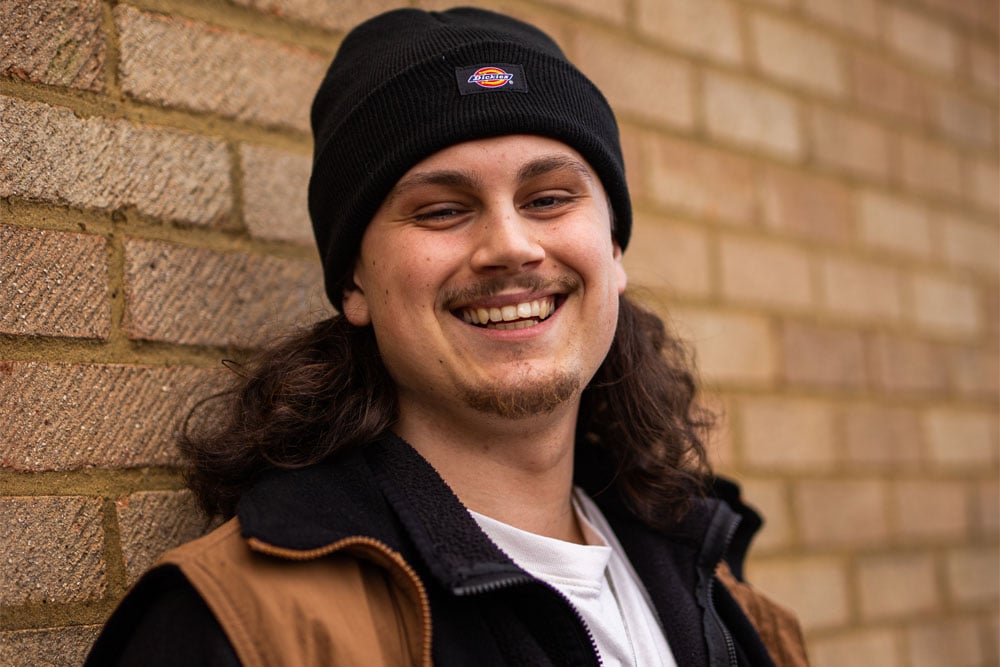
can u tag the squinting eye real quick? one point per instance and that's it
(438, 214)
(545, 202)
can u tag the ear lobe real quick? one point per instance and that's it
(355, 306)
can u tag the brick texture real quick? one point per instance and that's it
(880, 85)
(71, 416)
(787, 434)
(962, 438)
(860, 290)
(932, 510)
(944, 643)
(908, 366)
(274, 194)
(798, 56)
(820, 357)
(849, 143)
(859, 17)
(931, 167)
(893, 586)
(57, 42)
(329, 14)
(176, 63)
(51, 647)
(895, 224)
(729, 347)
(846, 513)
(974, 575)
(58, 544)
(194, 296)
(922, 40)
(876, 646)
(48, 154)
(815, 587)
(752, 115)
(710, 28)
(878, 436)
(946, 306)
(675, 257)
(53, 284)
(787, 282)
(152, 522)
(802, 205)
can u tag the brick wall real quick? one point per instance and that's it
(816, 186)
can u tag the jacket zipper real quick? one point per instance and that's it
(730, 644)
(382, 548)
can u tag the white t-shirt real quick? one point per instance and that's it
(597, 579)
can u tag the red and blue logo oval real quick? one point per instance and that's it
(491, 77)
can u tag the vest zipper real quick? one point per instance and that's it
(360, 541)
(730, 644)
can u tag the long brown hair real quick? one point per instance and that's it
(321, 391)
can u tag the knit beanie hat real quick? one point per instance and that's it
(408, 83)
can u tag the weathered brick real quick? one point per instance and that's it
(877, 647)
(984, 183)
(965, 120)
(53, 284)
(66, 416)
(765, 272)
(328, 14)
(968, 243)
(849, 143)
(274, 194)
(988, 507)
(623, 70)
(931, 509)
(151, 522)
(787, 433)
(922, 40)
(944, 642)
(974, 575)
(822, 357)
(695, 187)
(753, 115)
(48, 154)
(709, 28)
(856, 16)
(860, 290)
(893, 223)
(796, 55)
(730, 347)
(670, 256)
(970, 11)
(883, 437)
(57, 543)
(931, 167)
(815, 588)
(905, 364)
(943, 305)
(770, 498)
(180, 63)
(975, 371)
(49, 647)
(195, 296)
(845, 513)
(985, 65)
(881, 85)
(961, 437)
(897, 585)
(57, 42)
(798, 204)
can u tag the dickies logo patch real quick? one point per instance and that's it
(492, 77)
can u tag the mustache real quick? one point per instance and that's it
(487, 287)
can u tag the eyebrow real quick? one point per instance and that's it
(549, 163)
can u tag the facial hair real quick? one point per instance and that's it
(529, 398)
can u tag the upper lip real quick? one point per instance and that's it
(508, 299)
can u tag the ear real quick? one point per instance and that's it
(620, 269)
(356, 304)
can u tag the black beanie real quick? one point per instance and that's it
(409, 83)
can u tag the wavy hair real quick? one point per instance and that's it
(322, 391)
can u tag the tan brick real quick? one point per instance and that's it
(787, 433)
(883, 437)
(965, 120)
(806, 206)
(985, 65)
(669, 256)
(878, 647)
(970, 11)
(931, 509)
(53, 284)
(880, 85)
(974, 575)
(931, 167)
(849, 143)
(615, 11)
(905, 364)
(48, 647)
(765, 272)
(971, 244)
(975, 371)
(962, 438)
(65, 416)
(151, 522)
(944, 642)
(329, 14)
(689, 177)
(897, 585)
(895, 224)
(274, 194)
(709, 28)
(48, 154)
(821, 357)
(860, 290)
(752, 115)
(922, 40)
(637, 80)
(856, 16)
(815, 588)
(730, 347)
(991, 630)
(57, 543)
(180, 63)
(796, 55)
(984, 183)
(770, 498)
(57, 42)
(847, 513)
(943, 305)
(988, 507)
(195, 296)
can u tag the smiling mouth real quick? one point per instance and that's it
(512, 316)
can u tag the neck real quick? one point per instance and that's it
(518, 471)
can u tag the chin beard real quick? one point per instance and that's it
(527, 399)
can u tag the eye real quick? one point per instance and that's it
(439, 214)
(549, 201)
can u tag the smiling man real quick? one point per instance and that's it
(492, 456)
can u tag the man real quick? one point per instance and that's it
(492, 456)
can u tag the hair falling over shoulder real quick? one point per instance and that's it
(323, 390)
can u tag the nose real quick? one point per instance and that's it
(506, 243)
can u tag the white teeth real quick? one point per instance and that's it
(509, 313)
(484, 315)
(512, 316)
(536, 309)
(523, 310)
(496, 315)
